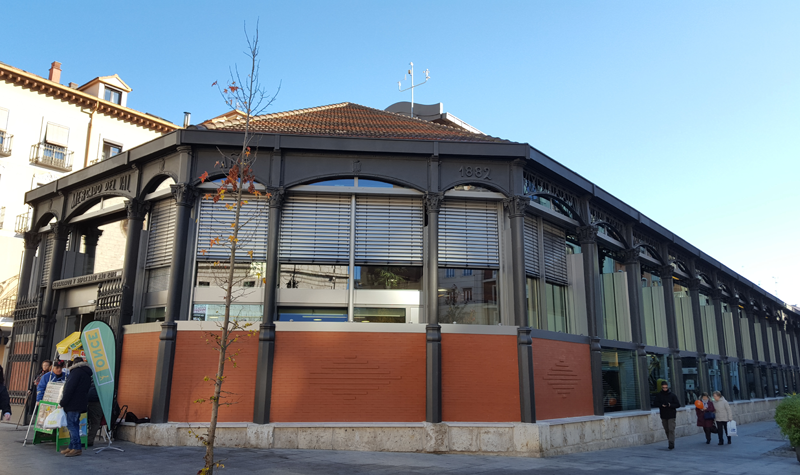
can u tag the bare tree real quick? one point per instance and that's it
(248, 98)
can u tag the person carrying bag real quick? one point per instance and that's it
(705, 411)
(724, 416)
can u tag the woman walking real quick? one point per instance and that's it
(724, 415)
(705, 416)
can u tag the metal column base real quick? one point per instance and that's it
(164, 366)
(597, 376)
(527, 402)
(433, 377)
(266, 360)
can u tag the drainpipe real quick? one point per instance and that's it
(89, 134)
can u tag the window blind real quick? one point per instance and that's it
(555, 255)
(57, 135)
(531, 239)
(161, 227)
(468, 234)
(215, 222)
(47, 258)
(746, 342)
(316, 228)
(388, 230)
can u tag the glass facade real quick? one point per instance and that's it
(557, 309)
(655, 318)
(388, 277)
(469, 297)
(691, 380)
(314, 277)
(684, 318)
(708, 319)
(714, 375)
(532, 302)
(311, 314)
(213, 312)
(658, 371)
(735, 382)
(750, 380)
(616, 310)
(620, 388)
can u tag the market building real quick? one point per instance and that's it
(401, 272)
(48, 130)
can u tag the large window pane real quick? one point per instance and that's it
(468, 297)
(684, 318)
(311, 314)
(388, 277)
(714, 376)
(557, 318)
(216, 274)
(532, 302)
(750, 375)
(379, 315)
(313, 276)
(736, 383)
(655, 320)
(658, 370)
(708, 319)
(211, 312)
(616, 310)
(620, 391)
(691, 380)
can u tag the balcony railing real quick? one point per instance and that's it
(5, 143)
(51, 156)
(21, 224)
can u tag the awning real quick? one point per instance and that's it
(71, 342)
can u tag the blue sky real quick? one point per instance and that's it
(688, 111)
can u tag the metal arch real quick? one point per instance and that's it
(48, 215)
(617, 235)
(654, 252)
(565, 207)
(89, 203)
(221, 174)
(706, 278)
(154, 182)
(367, 176)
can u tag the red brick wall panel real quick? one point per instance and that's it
(480, 381)
(137, 372)
(348, 377)
(194, 360)
(562, 379)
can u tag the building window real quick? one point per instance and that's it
(314, 276)
(557, 313)
(620, 388)
(470, 299)
(113, 95)
(691, 380)
(658, 371)
(467, 272)
(616, 311)
(156, 314)
(239, 312)
(387, 278)
(684, 318)
(655, 319)
(532, 302)
(736, 383)
(158, 279)
(714, 376)
(379, 315)
(708, 319)
(110, 149)
(449, 272)
(311, 314)
(750, 379)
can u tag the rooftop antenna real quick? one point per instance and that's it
(400, 86)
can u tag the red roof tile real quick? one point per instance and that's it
(346, 120)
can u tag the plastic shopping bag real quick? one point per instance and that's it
(732, 429)
(56, 419)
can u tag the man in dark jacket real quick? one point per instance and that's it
(74, 401)
(668, 405)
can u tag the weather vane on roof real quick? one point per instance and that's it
(400, 86)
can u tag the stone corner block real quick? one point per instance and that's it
(259, 436)
(435, 438)
(531, 439)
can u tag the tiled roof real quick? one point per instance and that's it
(347, 120)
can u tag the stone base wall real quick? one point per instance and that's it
(543, 439)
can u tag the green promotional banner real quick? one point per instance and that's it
(101, 353)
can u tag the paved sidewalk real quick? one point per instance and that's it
(749, 455)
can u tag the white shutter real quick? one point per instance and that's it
(57, 135)
(388, 230)
(162, 231)
(531, 240)
(468, 234)
(215, 222)
(747, 344)
(316, 228)
(47, 258)
(555, 255)
(3, 119)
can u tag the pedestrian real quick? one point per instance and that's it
(668, 405)
(74, 401)
(46, 364)
(55, 375)
(94, 415)
(5, 401)
(724, 415)
(705, 416)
